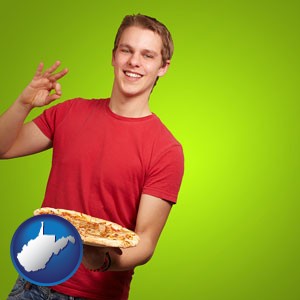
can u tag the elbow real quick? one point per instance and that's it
(4, 155)
(146, 258)
(5, 152)
(147, 252)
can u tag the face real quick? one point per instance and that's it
(137, 62)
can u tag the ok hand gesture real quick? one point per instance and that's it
(38, 92)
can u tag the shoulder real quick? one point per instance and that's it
(164, 134)
(73, 109)
(76, 106)
(166, 145)
(81, 103)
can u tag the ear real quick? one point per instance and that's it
(163, 69)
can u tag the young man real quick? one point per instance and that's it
(112, 158)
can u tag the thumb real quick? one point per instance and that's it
(117, 251)
(57, 88)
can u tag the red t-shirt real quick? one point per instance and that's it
(102, 164)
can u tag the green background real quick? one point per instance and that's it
(231, 97)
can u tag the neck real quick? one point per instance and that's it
(128, 106)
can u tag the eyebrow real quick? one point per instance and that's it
(143, 50)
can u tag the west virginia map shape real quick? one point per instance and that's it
(37, 252)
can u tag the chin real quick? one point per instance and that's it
(132, 92)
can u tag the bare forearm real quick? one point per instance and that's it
(132, 257)
(11, 123)
(152, 216)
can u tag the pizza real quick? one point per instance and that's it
(95, 231)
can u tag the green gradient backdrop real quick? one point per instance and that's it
(231, 97)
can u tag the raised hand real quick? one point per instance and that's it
(44, 88)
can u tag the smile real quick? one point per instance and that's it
(132, 75)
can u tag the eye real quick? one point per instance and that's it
(125, 50)
(148, 55)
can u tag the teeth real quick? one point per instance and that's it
(133, 75)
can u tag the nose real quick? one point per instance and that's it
(134, 60)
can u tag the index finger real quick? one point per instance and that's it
(52, 68)
(59, 75)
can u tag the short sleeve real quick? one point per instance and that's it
(165, 175)
(52, 117)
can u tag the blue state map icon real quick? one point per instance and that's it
(46, 250)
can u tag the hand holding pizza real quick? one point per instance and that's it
(100, 237)
(94, 258)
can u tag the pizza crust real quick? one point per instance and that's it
(95, 231)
